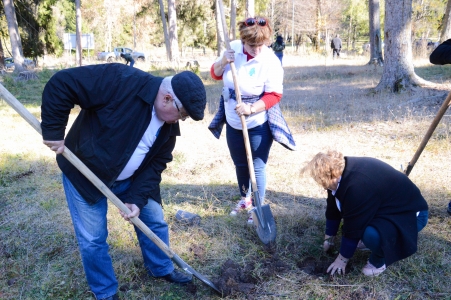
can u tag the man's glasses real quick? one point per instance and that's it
(183, 118)
(252, 21)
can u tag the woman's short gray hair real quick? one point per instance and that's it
(166, 86)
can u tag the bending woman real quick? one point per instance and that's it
(380, 207)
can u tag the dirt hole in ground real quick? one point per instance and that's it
(312, 266)
(317, 267)
(235, 279)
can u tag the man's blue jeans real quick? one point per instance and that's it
(260, 140)
(372, 239)
(90, 224)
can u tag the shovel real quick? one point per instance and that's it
(265, 225)
(18, 107)
(429, 133)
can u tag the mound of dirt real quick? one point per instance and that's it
(235, 279)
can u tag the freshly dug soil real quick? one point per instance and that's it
(235, 279)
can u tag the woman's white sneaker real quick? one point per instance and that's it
(370, 270)
(242, 205)
(361, 246)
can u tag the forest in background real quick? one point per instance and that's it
(138, 23)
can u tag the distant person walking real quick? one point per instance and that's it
(336, 46)
(278, 46)
(128, 58)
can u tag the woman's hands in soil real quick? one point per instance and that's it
(338, 266)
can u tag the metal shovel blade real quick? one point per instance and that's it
(265, 224)
(183, 265)
(264, 220)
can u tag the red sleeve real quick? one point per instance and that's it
(271, 99)
(212, 73)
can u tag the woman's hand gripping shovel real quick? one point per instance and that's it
(265, 225)
(18, 107)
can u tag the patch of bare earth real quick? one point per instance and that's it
(235, 280)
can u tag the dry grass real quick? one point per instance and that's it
(328, 104)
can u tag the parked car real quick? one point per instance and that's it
(27, 63)
(9, 63)
(116, 54)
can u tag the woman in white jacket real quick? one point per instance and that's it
(261, 85)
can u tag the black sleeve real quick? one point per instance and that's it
(442, 54)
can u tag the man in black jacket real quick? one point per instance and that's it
(125, 133)
(442, 54)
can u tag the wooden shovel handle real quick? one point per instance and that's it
(238, 99)
(19, 108)
(429, 133)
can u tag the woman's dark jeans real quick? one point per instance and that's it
(260, 139)
(372, 240)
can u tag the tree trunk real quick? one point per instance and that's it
(165, 30)
(219, 30)
(318, 25)
(78, 52)
(134, 26)
(14, 36)
(375, 33)
(173, 40)
(233, 19)
(398, 71)
(109, 25)
(2, 56)
(349, 33)
(250, 8)
(446, 24)
(273, 3)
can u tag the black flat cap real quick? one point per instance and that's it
(190, 90)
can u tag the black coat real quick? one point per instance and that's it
(116, 104)
(442, 54)
(372, 193)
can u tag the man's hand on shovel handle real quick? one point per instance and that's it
(134, 212)
(57, 146)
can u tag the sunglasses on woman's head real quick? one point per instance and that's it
(252, 21)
